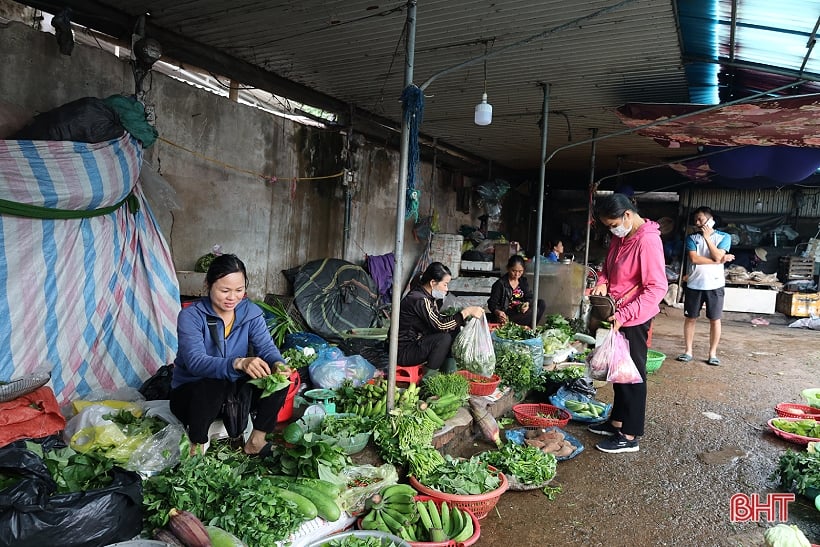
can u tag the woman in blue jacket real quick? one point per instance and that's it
(216, 335)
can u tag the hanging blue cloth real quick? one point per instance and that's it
(412, 99)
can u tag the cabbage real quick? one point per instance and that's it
(785, 535)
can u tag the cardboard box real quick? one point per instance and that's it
(796, 304)
(503, 252)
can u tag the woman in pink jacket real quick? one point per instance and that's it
(634, 274)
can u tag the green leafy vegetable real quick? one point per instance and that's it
(445, 384)
(271, 383)
(468, 477)
(798, 471)
(527, 463)
(223, 488)
(515, 366)
(298, 358)
(280, 322)
(513, 331)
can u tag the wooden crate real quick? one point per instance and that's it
(796, 304)
(503, 252)
(795, 267)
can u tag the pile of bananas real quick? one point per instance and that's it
(395, 510)
(370, 400)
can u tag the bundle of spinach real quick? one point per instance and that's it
(558, 321)
(515, 366)
(345, 425)
(223, 488)
(310, 458)
(465, 477)
(527, 463)
(798, 471)
(565, 374)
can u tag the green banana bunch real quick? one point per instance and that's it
(392, 510)
(443, 523)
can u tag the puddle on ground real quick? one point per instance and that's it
(727, 454)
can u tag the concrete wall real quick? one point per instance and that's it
(212, 153)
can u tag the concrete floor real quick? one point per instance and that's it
(676, 490)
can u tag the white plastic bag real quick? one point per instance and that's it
(473, 347)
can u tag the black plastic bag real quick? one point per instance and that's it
(158, 386)
(85, 120)
(236, 409)
(31, 515)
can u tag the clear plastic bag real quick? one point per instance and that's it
(331, 368)
(473, 347)
(361, 482)
(157, 453)
(600, 358)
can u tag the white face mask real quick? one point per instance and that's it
(621, 230)
(437, 294)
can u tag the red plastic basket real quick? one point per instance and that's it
(791, 437)
(528, 414)
(480, 385)
(478, 504)
(786, 410)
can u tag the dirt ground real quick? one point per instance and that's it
(676, 489)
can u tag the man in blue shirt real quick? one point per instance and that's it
(708, 251)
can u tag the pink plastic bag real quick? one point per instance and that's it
(622, 369)
(612, 362)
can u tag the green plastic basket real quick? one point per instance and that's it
(654, 360)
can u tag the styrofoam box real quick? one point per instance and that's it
(476, 266)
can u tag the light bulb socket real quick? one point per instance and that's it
(483, 112)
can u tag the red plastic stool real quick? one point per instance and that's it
(410, 374)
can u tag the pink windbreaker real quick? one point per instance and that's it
(631, 262)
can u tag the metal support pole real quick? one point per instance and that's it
(542, 175)
(401, 204)
(593, 186)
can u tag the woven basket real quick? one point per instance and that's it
(528, 414)
(787, 410)
(791, 437)
(480, 385)
(478, 504)
(654, 360)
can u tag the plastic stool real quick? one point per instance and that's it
(410, 374)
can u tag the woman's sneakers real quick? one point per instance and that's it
(604, 428)
(617, 444)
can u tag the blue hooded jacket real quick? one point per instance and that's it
(201, 356)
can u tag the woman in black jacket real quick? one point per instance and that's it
(425, 334)
(511, 297)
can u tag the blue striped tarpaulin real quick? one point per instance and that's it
(94, 300)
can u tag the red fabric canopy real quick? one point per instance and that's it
(786, 121)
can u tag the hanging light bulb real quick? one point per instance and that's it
(484, 110)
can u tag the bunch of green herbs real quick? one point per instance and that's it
(299, 358)
(798, 471)
(514, 331)
(515, 366)
(72, 471)
(446, 384)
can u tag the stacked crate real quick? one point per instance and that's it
(793, 268)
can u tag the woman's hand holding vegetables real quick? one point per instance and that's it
(524, 307)
(254, 367)
(502, 317)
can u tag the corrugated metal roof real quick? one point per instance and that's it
(353, 51)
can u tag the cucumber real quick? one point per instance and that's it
(305, 507)
(222, 538)
(325, 505)
(325, 487)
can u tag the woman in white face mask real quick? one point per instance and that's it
(425, 334)
(634, 275)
